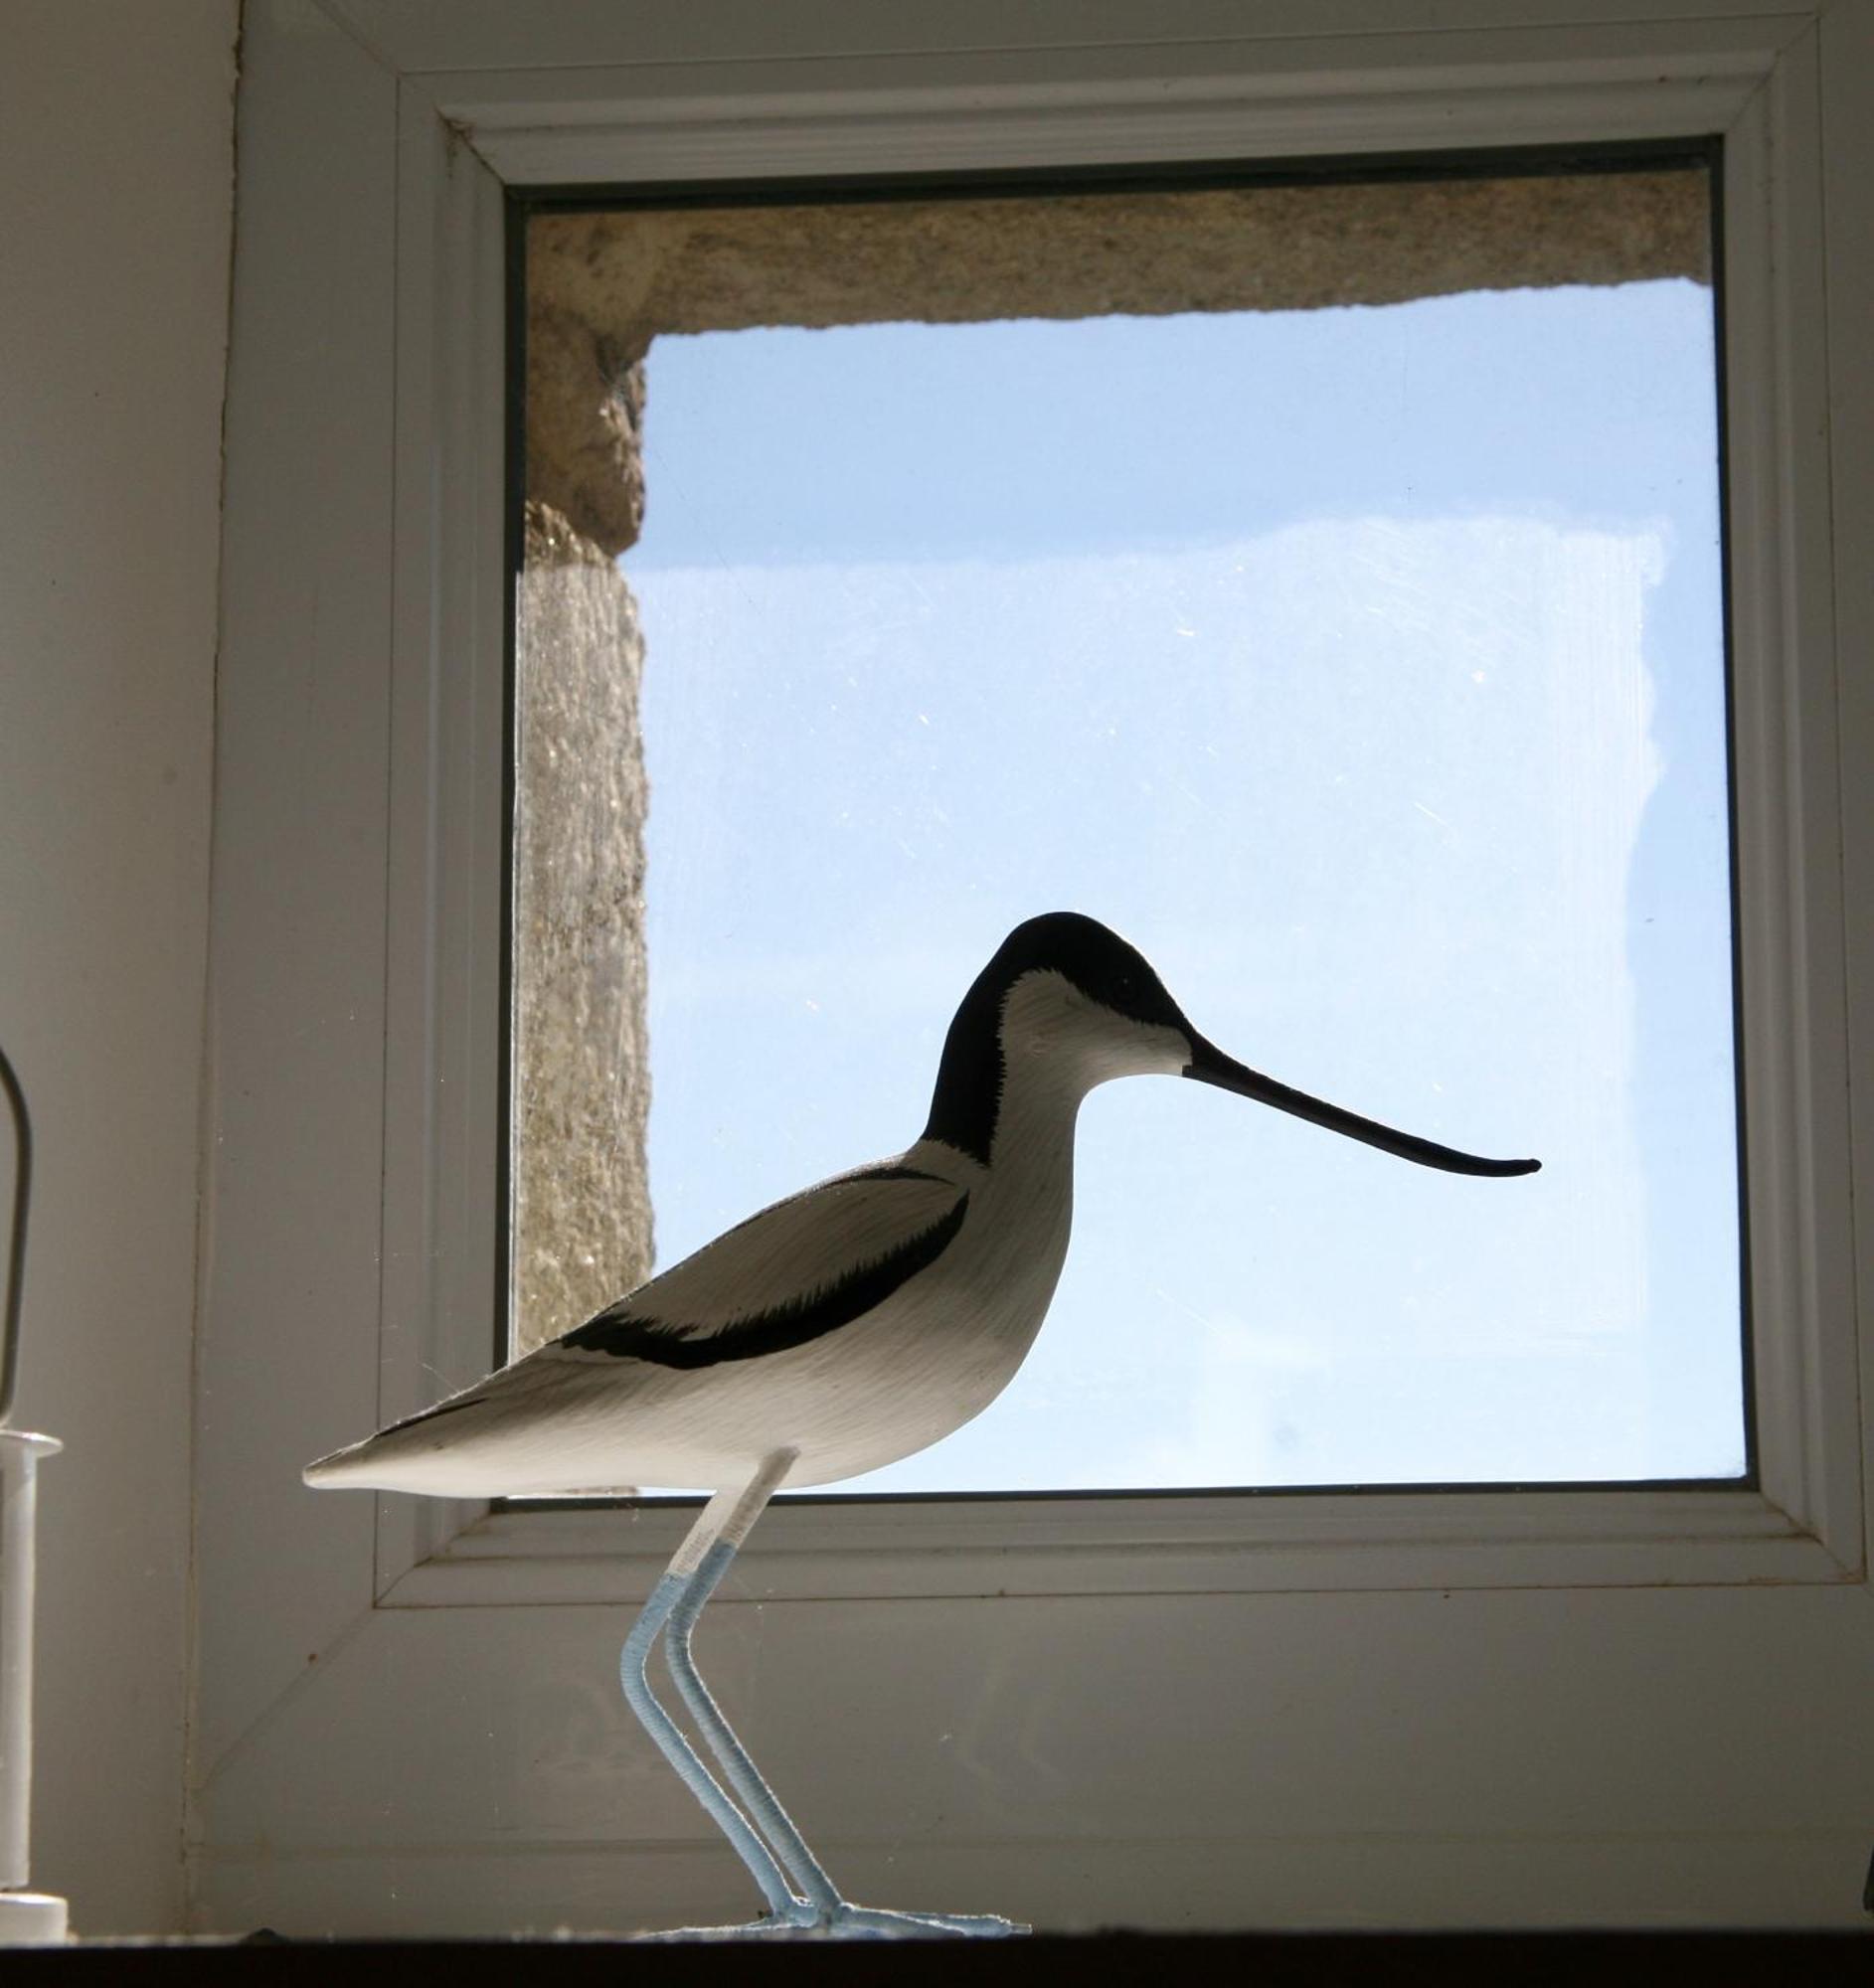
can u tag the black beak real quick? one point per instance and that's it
(1209, 1064)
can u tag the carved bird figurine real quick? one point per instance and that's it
(835, 1332)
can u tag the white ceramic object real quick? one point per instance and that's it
(27, 1919)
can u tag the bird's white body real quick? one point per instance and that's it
(904, 1373)
(832, 1334)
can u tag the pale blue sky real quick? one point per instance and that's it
(1362, 666)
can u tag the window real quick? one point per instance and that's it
(1618, 1706)
(1319, 578)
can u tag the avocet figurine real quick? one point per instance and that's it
(835, 1332)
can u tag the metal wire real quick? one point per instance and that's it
(15, 1241)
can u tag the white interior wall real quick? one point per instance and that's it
(115, 215)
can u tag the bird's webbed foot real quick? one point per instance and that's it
(849, 1922)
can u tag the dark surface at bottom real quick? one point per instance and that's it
(1165, 1960)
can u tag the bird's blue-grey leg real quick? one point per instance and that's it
(822, 1905)
(740, 1772)
(664, 1597)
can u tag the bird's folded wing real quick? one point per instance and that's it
(802, 1267)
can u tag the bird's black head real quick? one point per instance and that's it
(1091, 957)
(1066, 962)
(1065, 993)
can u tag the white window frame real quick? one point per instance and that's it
(1804, 1523)
(358, 932)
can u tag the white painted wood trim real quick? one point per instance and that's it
(288, 1346)
(447, 851)
(1293, 99)
(1311, 1544)
(468, 37)
(1846, 60)
(1788, 812)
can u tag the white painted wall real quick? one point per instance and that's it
(115, 218)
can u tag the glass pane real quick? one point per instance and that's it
(1363, 663)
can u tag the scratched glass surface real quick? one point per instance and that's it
(1365, 667)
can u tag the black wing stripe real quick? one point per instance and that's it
(430, 1414)
(807, 1194)
(785, 1326)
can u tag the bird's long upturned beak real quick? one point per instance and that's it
(1209, 1064)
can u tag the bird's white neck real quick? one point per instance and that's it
(1030, 1051)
